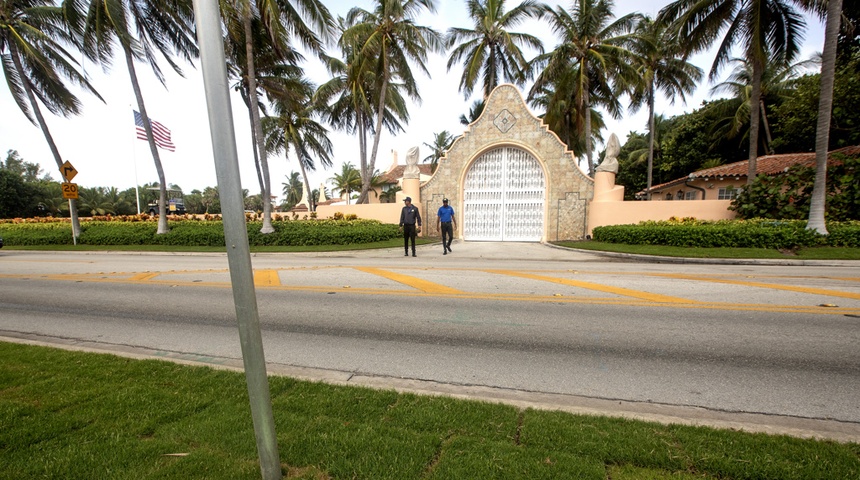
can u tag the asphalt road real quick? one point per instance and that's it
(763, 347)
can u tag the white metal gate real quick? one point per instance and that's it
(504, 197)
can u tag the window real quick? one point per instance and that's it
(690, 195)
(728, 193)
(668, 196)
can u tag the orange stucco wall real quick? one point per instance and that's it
(620, 213)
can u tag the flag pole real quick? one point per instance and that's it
(134, 162)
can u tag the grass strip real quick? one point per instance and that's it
(810, 253)
(79, 415)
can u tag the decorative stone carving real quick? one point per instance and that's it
(610, 160)
(504, 121)
(411, 170)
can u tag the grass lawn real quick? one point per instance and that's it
(93, 416)
(816, 253)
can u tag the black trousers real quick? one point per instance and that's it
(447, 231)
(409, 233)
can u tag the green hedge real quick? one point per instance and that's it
(199, 233)
(758, 233)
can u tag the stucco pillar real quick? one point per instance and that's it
(605, 189)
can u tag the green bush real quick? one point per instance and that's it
(199, 233)
(55, 233)
(758, 233)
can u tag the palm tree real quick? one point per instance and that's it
(274, 72)
(490, 52)
(563, 114)
(141, 27)
(95, 202)
(388, 196)
(762, 28)
(385, 41)
(293, 127)
(292, 190)
(658, 60)
(441, 143)
(34, 62)
(349, 97)
(589, 59)
(348, 180)
(281, 20)
(777, 81)
(825, 107)
(475, 111)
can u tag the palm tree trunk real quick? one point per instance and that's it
(650, 136)
(73, 204)
(362, 146)
(755, 98)
(147, 125)
(254, 141)
(380, 113)
(587, 105)
(768, 138)
(258, 131)
(307, 186)
(822, 130)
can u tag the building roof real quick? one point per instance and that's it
(396, 173)
(767, 164)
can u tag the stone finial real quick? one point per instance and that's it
(412, 170)
(610, 160)
(304, 201)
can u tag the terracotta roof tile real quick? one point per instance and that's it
(767, 164)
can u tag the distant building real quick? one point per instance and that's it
(723, 182)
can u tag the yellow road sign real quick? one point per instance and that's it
(70, 190)
(68, 172)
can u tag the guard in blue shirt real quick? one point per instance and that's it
(446, 223)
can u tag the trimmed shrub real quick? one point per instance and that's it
(191, 232)
(758, 233)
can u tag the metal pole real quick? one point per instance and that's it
(214, 71)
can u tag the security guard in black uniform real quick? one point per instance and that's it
(409, 218)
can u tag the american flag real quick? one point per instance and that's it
(160, 133)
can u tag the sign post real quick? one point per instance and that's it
(70, 190)
(217, 90)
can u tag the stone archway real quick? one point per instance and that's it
(540, 193)
(503, 197)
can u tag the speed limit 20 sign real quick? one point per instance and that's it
(70, 190)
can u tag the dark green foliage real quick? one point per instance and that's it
(690, 142)
(200, 233)
(760, 233)
(788, 196)
(793, 122)
(18, 199)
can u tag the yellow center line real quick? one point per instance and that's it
(266, 278)
(408, 280)
(142, 277)
(772, 286)
(651, 297)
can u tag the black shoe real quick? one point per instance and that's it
(449, 249)
(406, 254)
(444, 252)
(413, 254)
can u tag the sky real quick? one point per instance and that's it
(101, 142)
